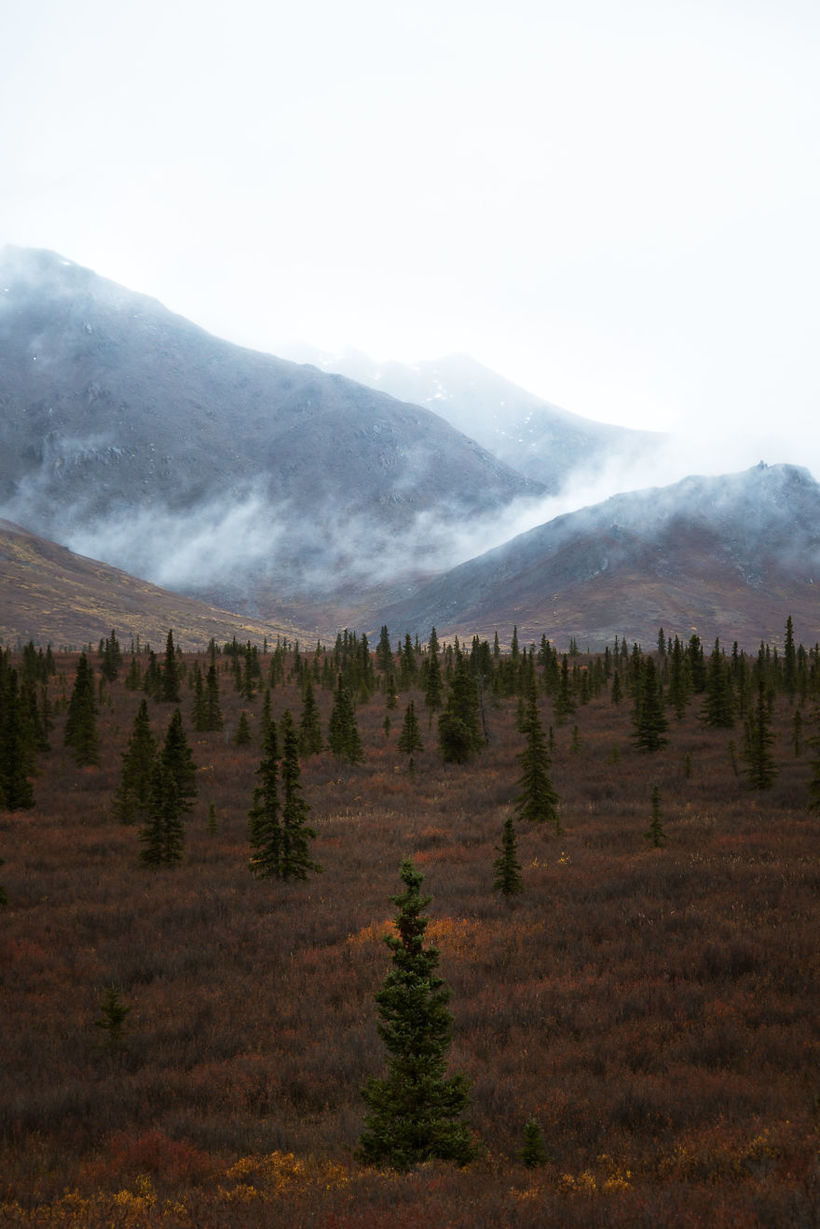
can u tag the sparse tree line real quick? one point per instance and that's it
(415, 1113)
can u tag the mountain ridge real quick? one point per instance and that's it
(730, 556)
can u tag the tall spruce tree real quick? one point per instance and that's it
(536, 799)
(415, 1112)
(163, 834)
(648, 717)
(719, 701)
(343, 733)
(179, 762)
(310, 724)
(761, 768)
(16, 747)
(132, 799)
(459, 728)
(295, 860)
(265, 827)
(169, 687)
(410, 740)
(80, 732)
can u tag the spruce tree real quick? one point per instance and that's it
(295, 860)
(655, 834)
(719, 702)
(265, 829)
(761, 770)
(343, 734)
(433, 686)
(534, 1152)
(169, 688)
(133, 796)
(80, 732)
(310, 725)
(213, 711)
(507, 868)
(459, 729)
(178, 761)
(113, 1017)
(648, 716)
(163, 834)
(16, 748)
(243, 737)
(415, 1111)
(410, 740)
(536, 799)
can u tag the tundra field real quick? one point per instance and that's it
(653, 1006)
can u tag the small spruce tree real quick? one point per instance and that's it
(655, 833)
(415, 1111)
(410, 740)
(507, 868)
(534, 1152)
(113, 1017)
(295, 860)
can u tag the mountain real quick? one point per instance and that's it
(132, 435)
(52, 596)
(730, 556)
(548, 444)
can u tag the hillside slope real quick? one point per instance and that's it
(52, 596)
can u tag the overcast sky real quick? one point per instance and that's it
(614, 203)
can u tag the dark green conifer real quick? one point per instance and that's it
(648, 716)
(410, 740)
(761, 768)
(719, 702)
(295, 861)
(163, 834)
(113, 1017)
(534, 1152)
(81, 723)
(169, 689)
(310, 724)
(459, 729)
(415, 1111)
(133, 796)
(265, 828)
(343, 734)
(179, 762)
(536, 799)
(16, 746)
(243, 737)
(655, 834)
(507, 868)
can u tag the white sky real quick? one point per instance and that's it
(615, 203)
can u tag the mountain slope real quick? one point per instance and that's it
(50, 595)
(534, 436)
(729, 556)
(132, 435)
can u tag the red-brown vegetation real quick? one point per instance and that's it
(654, 1009)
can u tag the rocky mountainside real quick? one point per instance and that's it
(52, 596)
(731, 556)
(548, 444)
(132, 435)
